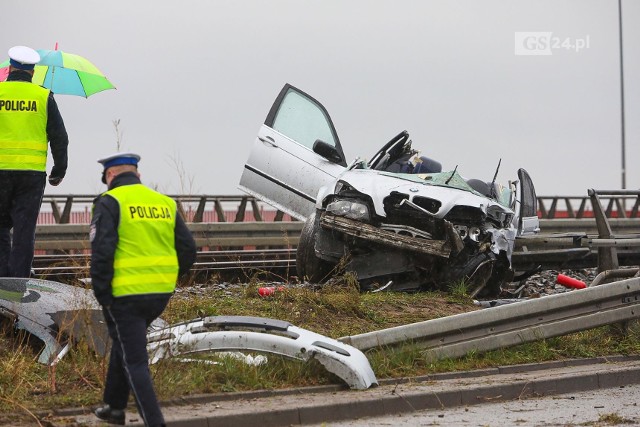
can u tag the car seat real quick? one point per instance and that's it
(427, 165)
(480, 186)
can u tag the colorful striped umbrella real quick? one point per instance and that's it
(65, 73)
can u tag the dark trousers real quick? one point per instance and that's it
(20, 199)
(128, 319)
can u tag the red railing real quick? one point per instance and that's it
(75, 209)
(84, 217)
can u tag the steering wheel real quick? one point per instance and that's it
(382, 158)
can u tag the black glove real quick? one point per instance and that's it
(55, 180)
(56, 176)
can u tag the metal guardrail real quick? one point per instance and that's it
(238, 234)
(224, 265)
(619, 204)
(286, 233)
(513, 324)
(223, 235)
(621, 226)
(563, 244)
(546, 251)
(192, 207)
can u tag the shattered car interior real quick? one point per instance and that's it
(397, 221)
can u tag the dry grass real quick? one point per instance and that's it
(335, 310)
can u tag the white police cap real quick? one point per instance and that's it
(120, 159)
(23, 57)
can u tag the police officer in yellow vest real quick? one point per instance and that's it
(29, 118)
(139, 248)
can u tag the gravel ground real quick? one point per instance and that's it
(545, 283)
(538, 285)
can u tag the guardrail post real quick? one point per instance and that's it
(181, 211)
(609, 208)
(197, 217)
(65, 217)
(570, 212)
(634, 210)
(219, 211)
(257, 215)
(241, 210)
(66, 213)
(622, 213)
(543, 210)
(581, 209)
(607, 256)
(552, 210)
(55, 211)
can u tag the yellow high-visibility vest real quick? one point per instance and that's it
(145, 260)
(23, 126)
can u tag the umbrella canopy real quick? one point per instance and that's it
(65, 73)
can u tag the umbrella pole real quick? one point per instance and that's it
(53, 69)
(53, 72)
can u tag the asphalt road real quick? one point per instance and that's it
(613, 406)
(492, 397)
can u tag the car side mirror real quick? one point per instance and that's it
(327, 151)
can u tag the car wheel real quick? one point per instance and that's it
(308, 265)
(502, 274)
(473, 269)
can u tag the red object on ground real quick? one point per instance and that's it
(570, 282)
(269, 290)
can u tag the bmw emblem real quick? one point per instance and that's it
(413, 189)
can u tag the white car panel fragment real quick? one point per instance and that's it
(56, 313)
(243, 333)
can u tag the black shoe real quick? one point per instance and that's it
(110, 415)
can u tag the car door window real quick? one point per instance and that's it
(283, 169)
(302, 120)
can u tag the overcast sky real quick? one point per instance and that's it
(195, 80)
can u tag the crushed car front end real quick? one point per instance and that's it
(411, 231)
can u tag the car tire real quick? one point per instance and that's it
(475, 270)
(502, 274)
(308, 265)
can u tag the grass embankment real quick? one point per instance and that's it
(335, 310)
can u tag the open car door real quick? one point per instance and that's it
(528, 222)
(297, 151)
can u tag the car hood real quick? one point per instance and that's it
(449, 188)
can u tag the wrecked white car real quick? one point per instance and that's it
(396, 220)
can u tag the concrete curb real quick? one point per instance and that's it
(315, 405)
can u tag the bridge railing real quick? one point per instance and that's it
(202, 208)
(619, 204)
(223, 222)
(205, 208)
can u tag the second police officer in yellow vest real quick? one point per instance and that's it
(139, 247)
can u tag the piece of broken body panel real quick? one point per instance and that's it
(55, 313)
(224, 333)
(60, 315)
